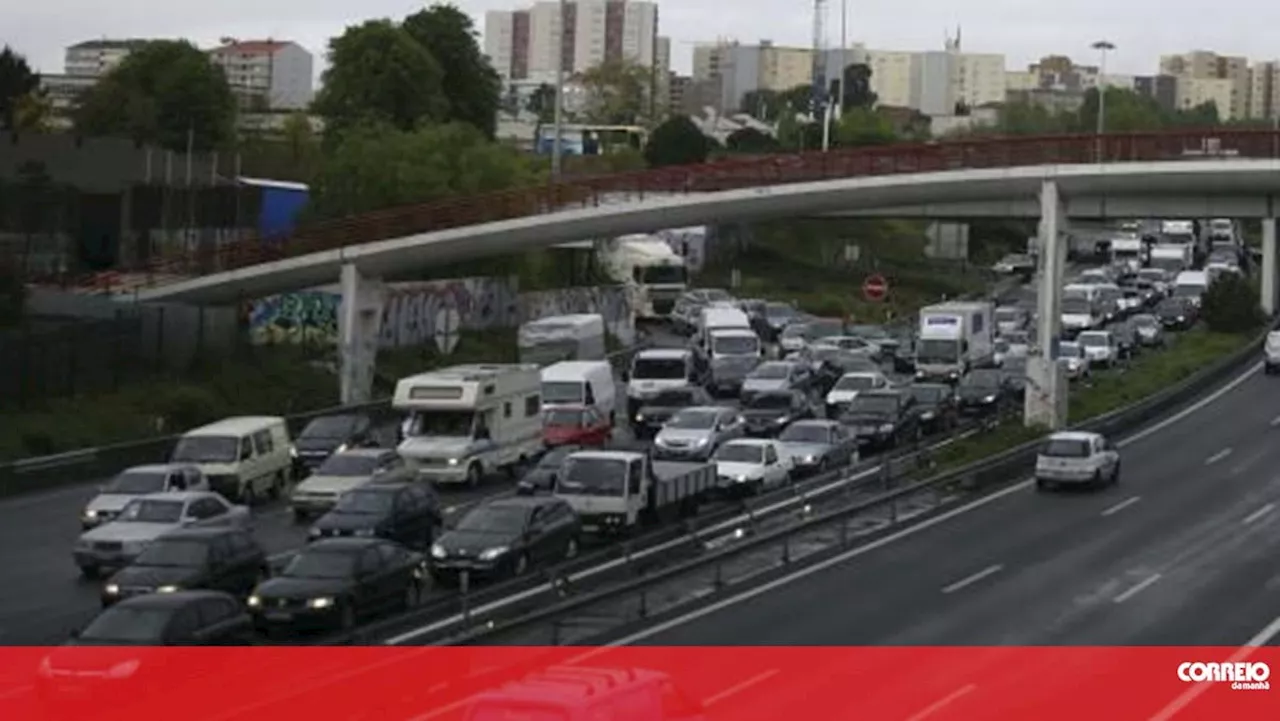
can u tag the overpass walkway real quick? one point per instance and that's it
(625, 190)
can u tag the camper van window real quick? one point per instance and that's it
(562, 392)
(206, 449)
(592, 477)
(440, 423)
(635, 477)
(482, 427)
(532, 406)
(937, 350)
(735, 345)
(977, 322)
(658, 369)
(1188, 291)
(662, 274)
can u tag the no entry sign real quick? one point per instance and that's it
(875, 287)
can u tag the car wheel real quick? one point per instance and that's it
(1042, 485)
(277, 485)
(248, 495)
(1097, 479)
(473, 475)
(412, 594)
(521, 565)
(571, 548)
(347, 616)
(300, 516)
(1115, 474)
(822, 467)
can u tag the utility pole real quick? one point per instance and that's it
(1102, 46)
(559, 112)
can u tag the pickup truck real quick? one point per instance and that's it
(615, 491)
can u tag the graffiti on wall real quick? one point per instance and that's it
(307, 317)
(609, 301)
(435, 312)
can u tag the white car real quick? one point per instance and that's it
(1077, 458)
(146, 518)
(754, 464)
(343, 472)
(849, 344)
(140, 481)
(1099, 347)
(1271, 353)
(1073, 358)
(848, 387)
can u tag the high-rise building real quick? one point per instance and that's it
(1205, 76)
(95, 58)
(267, 74)
(1264, 90)
(523, 44)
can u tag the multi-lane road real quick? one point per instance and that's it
(1184, 551)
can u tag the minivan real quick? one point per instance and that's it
(243, 458)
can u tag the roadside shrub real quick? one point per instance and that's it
(13, 293)
(1231, 305)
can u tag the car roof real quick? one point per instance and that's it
(664, 353)
(170, 600)
(387, 487)
(526, 502)
(366, 452)
(1074, 436)
(203, 532)
(824, 422)
(758, 442)
(183, 496)
(236, 426)
(160, 467)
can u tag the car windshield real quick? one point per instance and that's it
(125, 625)
(735, 345)
(658, 368)
(1014, 366)
(1065, 448)
(772, 371)
(175, 552)
(449, 424)
(805, 433)
(206, 449)
(1092, 340)
(562, 391)
(673, 399)
(1152, 274)
(769, 401)
(364, 501)
(320, 563)
(779, 311)
(136, 483)
(874, 404)
(1144, 321)
(343, 464)
(873, 332)
(796, 331)
(1006, 315)
(150, 510)
(1076, 306)
(334, 427)
(981, 379)
(1070, 350)
(740, 453)
(494, 519)
(570, 417)
(937, 350)
(587, 476)
(855, 383)
(1188, 290)
(694, 419)
(825, 328)
(929, 394)
(665, 274)
(552, 459)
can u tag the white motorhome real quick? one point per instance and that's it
(467, 421)
(654, 275)
(562, 337)
(954, 338)
(581, 383)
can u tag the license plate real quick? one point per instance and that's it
(589, 527)
(279, 616)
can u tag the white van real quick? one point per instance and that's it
(467, 421)
(581, 383)
(721, 318)
(1191, 284)
(243, 458)
(1080, 308)
(1271, 353)
(654, 370)
(562, 337)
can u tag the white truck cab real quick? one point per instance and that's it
(1099, 347)
(1076, 458)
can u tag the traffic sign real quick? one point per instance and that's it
(875, 287)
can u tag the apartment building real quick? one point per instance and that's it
(524, 43)
(936, 82)
(267, 74)
(1264, 90)
(735, 69)
(95, 58)
(1205, 76)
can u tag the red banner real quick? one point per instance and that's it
(638, 684)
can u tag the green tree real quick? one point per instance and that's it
(862, 126)
(542, 102)
(1126, 112)
(678, 141)
(159, 94)
(470, 84)
(617, 92)
(378, 73)
(763, 104)
(1231, 305)
(750, 140)
(1023, 118)
(17, 83)
(378, 166)
(857, 88)
(799, 99)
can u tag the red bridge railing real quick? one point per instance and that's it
(726, 174)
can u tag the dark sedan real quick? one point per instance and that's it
(882, 418)
(1176, 313)
(649, 417)
(766, 414)
(982, 392)
(407, 513)
(819, 445)
(335, 582)
(217, 559)
(182, 618)
(1014, 371)
(935, 406)
(326, 435)
(542, 477)
(506, 537)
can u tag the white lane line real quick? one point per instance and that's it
(1217, 456)
(1135, 590)
(942, 703)
(1259, 513)
(739, 687)
(970, 580)
(1194, 407)
(1260, 639)
(1121, 506)
(1275, 422)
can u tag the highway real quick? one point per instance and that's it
(1182, 552)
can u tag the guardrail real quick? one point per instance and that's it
(86, 464)
(728, 174)
(544, 625)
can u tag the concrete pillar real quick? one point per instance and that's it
(1046, 402)
(1269, 289)
(359, 326)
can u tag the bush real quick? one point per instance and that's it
(13, 293)
(1231, 305)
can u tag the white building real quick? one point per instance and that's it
(934, 82)
(521, 43)
(268, 74)
(95, 58)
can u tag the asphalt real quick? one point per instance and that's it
(1191, 561)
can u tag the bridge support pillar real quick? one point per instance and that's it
(1046, 396)
(359, 326)
(1270, 292)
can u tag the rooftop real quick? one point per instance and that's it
(253, 47)
(106, 44)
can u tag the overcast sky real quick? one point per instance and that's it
(1023, 30)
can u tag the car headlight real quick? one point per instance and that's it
(314, 532)
(639, 418)
(167, 589)
(810, 459)
(340, 448)
(989, 399)
(491, 553)
(437, 551)
(363, 533)
(111, 589)
(319, 603)
(886, 428)
(1182, 319)
(254, 601)
(742, 478)
(701, 442)
(293, 451)
(781, 419)
(89, 515)
(453, 461)
(927, 415)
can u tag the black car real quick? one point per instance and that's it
(767, 413)
(1176, 313)
(216, 559)
(1014, 371)
(982, 391)
(407, 513)
(882, 418)
(335, 582)
(506, 537)
(327, 434)
(657, 410)
(1126, 337)
(935, 406)
(182, 618)
(542, 477)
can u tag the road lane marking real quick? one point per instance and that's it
(1275, 422)
(970, 580)
(1135, 590)
(738, 688)
(1121, 506)
(1217, 456)
(1259, 513)
(1260, 639)
(1193, 407)
(942, 703)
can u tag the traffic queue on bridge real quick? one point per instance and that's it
(759, 396)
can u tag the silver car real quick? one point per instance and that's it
(819, 445)
(343, 472)
(777, 376)
(146, 518)
(1148, 328)
(140, 481)
(694, 434)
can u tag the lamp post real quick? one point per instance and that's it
(559, 107)
(1102, 46)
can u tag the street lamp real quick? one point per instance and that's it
(1102, 46)
(559, 108)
